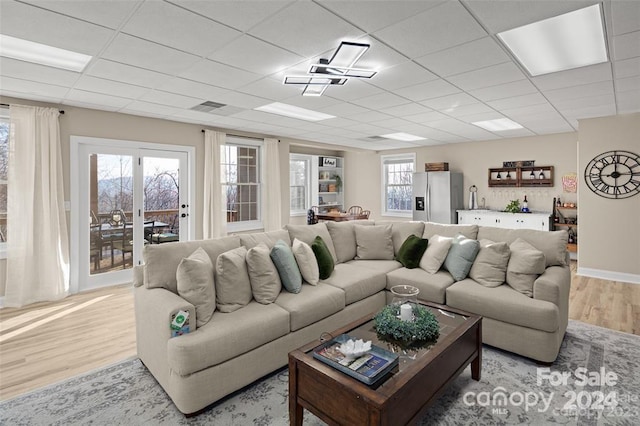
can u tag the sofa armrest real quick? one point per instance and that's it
(553, 285)
(153, 310)
(138, 275)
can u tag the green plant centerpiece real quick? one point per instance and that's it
(513, 207)
(423, 329)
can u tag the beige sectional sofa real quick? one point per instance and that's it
(234, 349)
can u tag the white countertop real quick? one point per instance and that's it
(488, 211)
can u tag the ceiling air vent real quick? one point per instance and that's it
(208, 106)
(373, 139)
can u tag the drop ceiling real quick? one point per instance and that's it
(440, 65)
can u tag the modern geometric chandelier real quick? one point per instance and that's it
(334, 71)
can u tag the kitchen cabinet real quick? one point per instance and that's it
(537, 221)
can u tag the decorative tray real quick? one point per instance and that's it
(368, 368)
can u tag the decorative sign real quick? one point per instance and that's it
(570, 182)
(328, 162)
(521, 163)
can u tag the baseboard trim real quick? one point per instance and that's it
(609, 275)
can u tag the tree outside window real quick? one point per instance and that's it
(241, 182)
(397, 171)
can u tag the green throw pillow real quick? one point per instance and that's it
(285, 262)
(323, 256)
(461, 256)
(411, 251)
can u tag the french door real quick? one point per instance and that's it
(125, 195)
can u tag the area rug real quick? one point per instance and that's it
(595, 381)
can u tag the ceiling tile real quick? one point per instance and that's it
(429, 90)
(483, 116)
(171, 99)
(627, 84)
(486, 77)
(441, 27)
(450, 101)
(405, 109)
(626, 68)
(218, 74)
(164, 23)
(241, 100)
(315, 103)
(575, 77)
(108, 87)
(352, 89)
(379, 56)
(367, 129)
(192, 88)
(521, 87)
(393, 123)
(31, 87)
(97, 98)
(35, 24)
(227, 11)
(592, 111)
(271, 89)
(345, 109)
(34, 72)
(151, 108)
(426, 117)
(529, 110)
(381, 100)
(374, 15)
(518, 101)
(30, 96)
(574, 92)
(466, 57)
(626, 46)
(469, 109)
(625, 16)
(566, 106)
(369, 117)
(402, 75)
(255, 55)
(144, 54)
(628, 102)
(110, 70)
(107, 13)
(460, 128)
(305, 28)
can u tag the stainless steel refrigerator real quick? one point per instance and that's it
(437, 196)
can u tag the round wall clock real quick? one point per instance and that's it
(614, 174)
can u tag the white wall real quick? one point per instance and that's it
(609, 230)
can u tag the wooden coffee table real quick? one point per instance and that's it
(401, 398)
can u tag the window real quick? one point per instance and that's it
(4, 170)
(241, 177)
(397, 184)
(299, 188)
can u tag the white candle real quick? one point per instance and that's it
(406, 312)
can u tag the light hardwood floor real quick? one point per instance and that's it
(48, 342)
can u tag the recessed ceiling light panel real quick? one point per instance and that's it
(498, 125)
(572, 40)
(294, 112)
(406, 137)
(42, 54)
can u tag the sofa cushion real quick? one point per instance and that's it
(308, 233)
(377, 265)
(263, 275)
(526, 264)
(461, 255)
(161, 260)
(411, 251)
(553, 244)
(374, 242)
(323, 257)
(285, 263)
(490, 266)
(436, 253)
(503, 304)
(401, 230)
(233, 287)
(241, 331)
(357, 282)
(432, 286)
(431, 229)
(312, 304)
(269, 238)
(343, 236)
(195, 284)
(306, 260)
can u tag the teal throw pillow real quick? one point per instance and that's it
(411, 251)
(461, 255)
(323, 256)
(287, 267)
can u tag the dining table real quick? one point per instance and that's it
(340, 217)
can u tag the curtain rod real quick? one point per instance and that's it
(240, 136)
(61, 111)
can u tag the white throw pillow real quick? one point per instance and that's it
(306, 261)
(195, 284)
(490, 267)
(436, 253)
(233, 287)
(525, 266)
(265, 281)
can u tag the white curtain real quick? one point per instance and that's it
(37, 240)
(272, 220)
(215, 211)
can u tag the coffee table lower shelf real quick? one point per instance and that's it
(401, 399)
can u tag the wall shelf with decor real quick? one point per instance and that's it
(521, 177)
(567, 219)
(328, 189)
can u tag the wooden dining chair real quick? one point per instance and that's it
(312, 215)
(125, 244)
(355, 210)
(366, 213)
